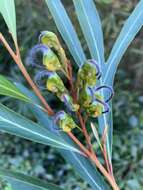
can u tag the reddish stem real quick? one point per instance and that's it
(94, 158)
(105, 158)
(88, 140)
(104, 138)
(82, 122)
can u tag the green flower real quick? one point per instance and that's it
(56, 85)
(95, 109)
(65, 121)
(50, 39)
(51, 61)
(85, 97)
(88, 74)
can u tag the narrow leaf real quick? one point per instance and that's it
(14, 123)
(20, 181)
(7, 88)
(127, 34)
(7, 9)
(82, 165)
(91, 26)
(96, 135)
(67, 30)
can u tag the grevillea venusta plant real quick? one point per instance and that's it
(85, 95)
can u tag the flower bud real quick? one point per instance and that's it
(65, 121)
(50, 39)
(56, 85)
(87, 74)
(97, 108)
(50, 60)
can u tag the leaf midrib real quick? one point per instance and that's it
(84, 168)
(90, 27)
(69, 36)
(126, 36)
(31, 131)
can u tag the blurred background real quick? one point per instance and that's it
(45, 162)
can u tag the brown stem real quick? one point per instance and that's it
(104, 138)
(73, 91)
(94, 159)
(104, 172)
(106, 159)
(82, 122)
(85, 132)
(79, 143)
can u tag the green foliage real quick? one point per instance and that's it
(24, 182)
(126, 36)
(7, 9)
(7, 88)
(89, 18)
(67, 30)
(16, 124)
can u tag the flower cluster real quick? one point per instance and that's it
(89, 93)
(88, 98)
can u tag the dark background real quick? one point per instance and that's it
(45, 162)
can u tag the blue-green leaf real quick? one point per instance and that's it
(14, 123)
(21, 181)
(67, 30)
(7, 9)
(127, 34)
(91, 26)
(81, 165)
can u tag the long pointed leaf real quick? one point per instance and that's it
(91, 26)
(7, 88)
(81, 165)
(67, 30)
(20, 181)
(127, 34)
(7, 9)
(14, 123)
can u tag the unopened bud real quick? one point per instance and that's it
(65, 121)
(50, 39)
